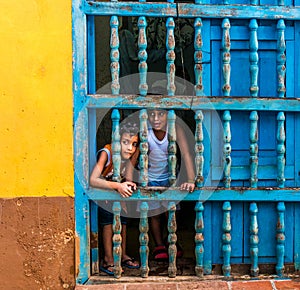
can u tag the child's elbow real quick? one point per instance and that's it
(92, 182)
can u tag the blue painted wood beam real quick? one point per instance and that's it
(238, 11)
(130, 9)
(194, 103)
(191, 10)
(202, 194)
(80, 84)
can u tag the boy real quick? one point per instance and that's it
(158, 172)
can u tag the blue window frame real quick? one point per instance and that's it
(254, 43)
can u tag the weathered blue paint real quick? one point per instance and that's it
(253, 149)
(254, 239)
(226, 238)
(199, 239)
(142, 44)
(199, 148)
(172, 239)
(280, 238)
(172, 160)
(94, 235)
(253, 58)
(94, 239)
(130, 9)
(189, 10)
(208, 238)
(82, 225)
(144, 239)
(226, 57)
(280, 149)
(195, 103)
(90, 54)
(281, 58)
(143, 162)
(117, 239)
(170, 56)
(116, 146)
(114, 55)
(227, 149)
(198, 58)
(204, 194)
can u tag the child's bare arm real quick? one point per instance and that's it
(96, 180)
(184, 148)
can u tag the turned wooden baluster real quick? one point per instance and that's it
(254, 239)
(116, 146)
(198, 56)
(199, 148)
(114, 55)
(172, 159)
(170, 55)
(142, 55)
(117, 239)
(280, 238)
(172, 239)
(144, 239)
(226, 238)
(227, 149)
(143, 159)
(199, 238)
(253, 149)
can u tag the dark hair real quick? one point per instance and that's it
(130, 127)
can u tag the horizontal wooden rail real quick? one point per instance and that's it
(194, 103)
(269, 194)
(160, 9)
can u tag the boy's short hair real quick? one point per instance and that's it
(130, 127)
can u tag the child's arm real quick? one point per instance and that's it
(184, 148)
(96, 180)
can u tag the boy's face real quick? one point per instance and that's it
(129, 144)
(158, 119)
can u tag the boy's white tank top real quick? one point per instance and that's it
(157, 157)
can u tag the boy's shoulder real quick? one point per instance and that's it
(107, 148)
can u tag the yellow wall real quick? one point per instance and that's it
(36, 140)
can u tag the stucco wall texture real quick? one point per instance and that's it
(36, 146)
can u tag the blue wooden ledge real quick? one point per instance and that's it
(203, 194)
(194, 103)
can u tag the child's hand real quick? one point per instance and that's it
(189, 186)
(126, 188)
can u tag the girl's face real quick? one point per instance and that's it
(158, 119)
(129, 144)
